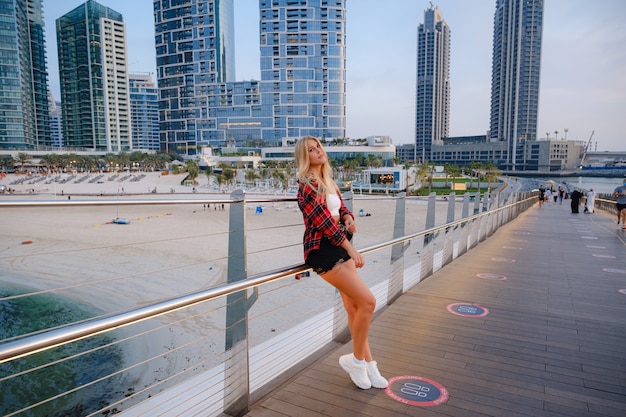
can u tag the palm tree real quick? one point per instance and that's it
(228, 174)
(446, 169)
(250, 176)
(421, 174)
(124, 159)
(475, 168)
(406, 167)
(192, 171)
(431, 173)
(452, 171)
(491, 173)
(22, 158)
(219, 178)
(209, 173)
(6, 162)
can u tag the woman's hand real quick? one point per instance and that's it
(349, 223)
(358, 259)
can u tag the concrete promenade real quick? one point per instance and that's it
(532, 322)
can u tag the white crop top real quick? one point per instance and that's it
(333, 204)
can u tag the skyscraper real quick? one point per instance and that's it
(91, 43)
(144, 111)
(302, 86)
(56, 122)
(24, 86)
(517, 34)
(303, 68)
(194, 49)
(432, 115)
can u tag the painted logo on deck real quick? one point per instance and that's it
(467, 310)
(487, 275)
(418, 391)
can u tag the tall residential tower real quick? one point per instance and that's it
(302, 86)
(91, 43)
(516, 66)
(144, 111)
(432, 115)
(24, 77)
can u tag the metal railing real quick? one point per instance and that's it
(214, 349)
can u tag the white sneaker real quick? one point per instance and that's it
(358, 373)
(377, 380)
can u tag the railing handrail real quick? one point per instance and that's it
(72, 332)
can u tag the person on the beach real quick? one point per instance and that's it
(620, 193)
(329, 226)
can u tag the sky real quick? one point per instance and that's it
(583, 67)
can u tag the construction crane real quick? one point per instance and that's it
(587, 147)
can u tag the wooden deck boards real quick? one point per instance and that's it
(553, 343)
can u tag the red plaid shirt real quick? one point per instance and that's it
(318, 221)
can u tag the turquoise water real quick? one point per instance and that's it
(29, 314)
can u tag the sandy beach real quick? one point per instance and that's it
(76, 252)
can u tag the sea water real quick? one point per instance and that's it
(54, 372)
(601, 185)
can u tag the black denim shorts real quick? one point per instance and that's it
(327, 256)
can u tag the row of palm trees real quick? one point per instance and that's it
(88, 163)
(425, 173)
(279, 172)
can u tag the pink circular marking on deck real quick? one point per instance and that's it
(416, 390)
(614, 270)
(622, 291)
(467, 310)
(488, 275)
(503, 260)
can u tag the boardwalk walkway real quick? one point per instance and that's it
(553, 341)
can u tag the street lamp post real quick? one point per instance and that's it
(565, 130)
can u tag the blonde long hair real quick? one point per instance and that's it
(323, 185)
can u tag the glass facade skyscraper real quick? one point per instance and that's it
(432, 115)
(24, 110)
(144, 111)
(303, 68)
(302, 86)
(516, 66)
(91, 43)
(56, 122)
(194, 42)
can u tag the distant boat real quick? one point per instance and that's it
(121, 221)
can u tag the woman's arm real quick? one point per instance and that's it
(317, 215)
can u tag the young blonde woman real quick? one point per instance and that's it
(329, 226)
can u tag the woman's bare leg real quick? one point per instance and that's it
(359, 303)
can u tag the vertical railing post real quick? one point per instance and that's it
(427, 249)
(451, 207)
(430, 216)
(396, 277)
(477, 203)
(466, 200)
(237, 377)
(448, 246)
